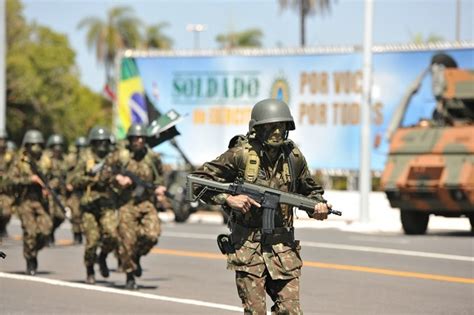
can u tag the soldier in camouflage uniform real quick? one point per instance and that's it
(32, 204)
(74, 195)
(266, 157)
(57, 180)
(99, 220)
(6, 198)
(139, 224)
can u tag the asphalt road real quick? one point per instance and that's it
(343, 273)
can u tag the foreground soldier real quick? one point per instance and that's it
(35, 220)
(57, 179)
(265, 157)
(6, 199)
(97, 204)
(75, 194)
(139, 224)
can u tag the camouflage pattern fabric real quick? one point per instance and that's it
(97, 204)
(139, 224)
(277, 267)
(76, 216)
(56, 174)
(139, 229)
(284, 293)
(100, 228)
(6, 200)
(36, 224)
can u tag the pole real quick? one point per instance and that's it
(458, 20)
(3, 69)
(365, 178)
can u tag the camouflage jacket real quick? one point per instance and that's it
(283, 260)
(57, 173)
(94, 177)
(20, 173)
(6, 160)
(147, 167)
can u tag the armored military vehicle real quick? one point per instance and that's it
(430, 166)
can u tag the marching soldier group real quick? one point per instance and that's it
(43, 182)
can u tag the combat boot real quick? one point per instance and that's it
(77, 238)
(131, 284)
(104, 270)
(138, 271)
(31, 265)
(90, 275)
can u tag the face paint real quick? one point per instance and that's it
(273, 134)
(34, 150)
(137, 143)
(101, 147)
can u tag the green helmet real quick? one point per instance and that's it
(81, 142)
(99, 133)
(137, 130)
(271, 111)
(54, 140)
(33, 136)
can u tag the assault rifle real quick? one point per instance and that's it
(140, 185)
(268, 198)
(44, 179)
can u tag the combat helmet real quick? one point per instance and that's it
(33, 136)
(54, 139)
(271, 111)
(137, 130)
(98, 133)
(81, 142)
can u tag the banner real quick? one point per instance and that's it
(216, 95)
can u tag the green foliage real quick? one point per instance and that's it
(418, 38)
(43, 89)
(155, 38)
(247, 38)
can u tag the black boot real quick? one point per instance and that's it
(31, 265)
(131, 284)
(90, 275)
(104, 270)
(138, 271)
(77, 238)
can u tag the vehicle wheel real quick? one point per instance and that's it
(414, 222)
(182, 211)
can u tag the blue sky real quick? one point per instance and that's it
(395, 21)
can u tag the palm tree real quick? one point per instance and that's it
(248, 38)
(305, 8)
(154, 37)
(418, 38)
(120, 30)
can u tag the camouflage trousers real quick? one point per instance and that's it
(76, 216)
(36, 224)
(139, 229)
(100, 228)
(57, 215)
(6, 204)
(284, 293)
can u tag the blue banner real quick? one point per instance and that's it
(216, 93)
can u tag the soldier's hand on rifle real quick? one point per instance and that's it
(321, 211)
(36, 179)
(69, 187)
(160, 192)
(241, 202)
(123, 180)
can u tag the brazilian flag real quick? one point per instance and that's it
(133, 105)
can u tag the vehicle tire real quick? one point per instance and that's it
(177, 187)
(182, 211)
(414, 222)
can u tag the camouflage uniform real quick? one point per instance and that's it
(32, 208)
(6, 196)
(57, 178)
(99, 219)
(273, 266)
(139, 224)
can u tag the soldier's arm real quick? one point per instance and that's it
(224, 168)
(17, 174)
(77, 177)
(158, 165)
(306, 184)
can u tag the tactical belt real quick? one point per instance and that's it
(242, 233)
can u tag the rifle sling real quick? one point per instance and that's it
(242, 233)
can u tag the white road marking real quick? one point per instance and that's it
(122, 292)
(379, 250)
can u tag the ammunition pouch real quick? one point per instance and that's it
(240, 234)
